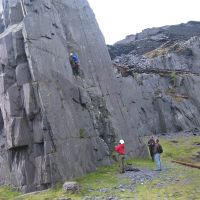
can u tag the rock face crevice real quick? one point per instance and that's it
(54, 125)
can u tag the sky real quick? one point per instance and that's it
(119, 18)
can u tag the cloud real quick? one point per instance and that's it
(118, 18)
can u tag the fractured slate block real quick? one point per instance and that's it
(18, 46)
(14, 104)
(11, 61)
(18, 134)
(29, 101)
(22, 74)
(15, 12)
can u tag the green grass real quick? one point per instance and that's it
(91, 184)
(7, 193)
(176, 182)
(184, 149)
(161, 51)
(142, 163)
(106, 177)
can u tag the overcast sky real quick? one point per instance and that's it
(118, 18)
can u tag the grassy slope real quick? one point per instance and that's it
(7, 193)
(174, 182)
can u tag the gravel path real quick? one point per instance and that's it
(140, 177)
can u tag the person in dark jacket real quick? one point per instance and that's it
(157, 151)
(151, 144)
(120, 149)
(75, 63)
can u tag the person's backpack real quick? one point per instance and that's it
(160, 149)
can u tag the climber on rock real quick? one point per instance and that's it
(75, 63)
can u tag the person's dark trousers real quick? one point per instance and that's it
(121, 163)
(76, 70)
(151, 153)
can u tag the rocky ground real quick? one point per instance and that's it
(141, 176)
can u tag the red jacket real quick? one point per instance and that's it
(120, 149)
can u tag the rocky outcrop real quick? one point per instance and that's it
(54, 125)
(163, 81)
(152, 38)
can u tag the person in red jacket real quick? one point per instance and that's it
(120, 149)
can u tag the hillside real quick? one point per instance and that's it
(161, 73)
(152, 38)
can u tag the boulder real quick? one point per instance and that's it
(71, 187)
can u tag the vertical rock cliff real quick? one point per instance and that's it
(54, 125)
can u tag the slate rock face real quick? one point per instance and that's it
(162, 84)
(54, 125)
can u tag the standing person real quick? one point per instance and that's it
(157, 151)
(120, 149)
(151, 144)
